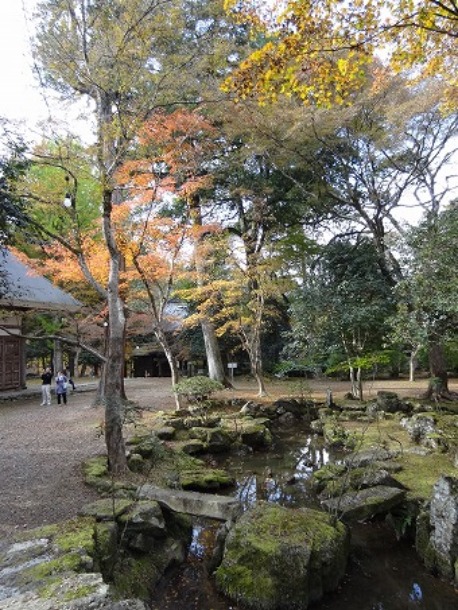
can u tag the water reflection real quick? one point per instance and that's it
(280, 475)
(416, 594)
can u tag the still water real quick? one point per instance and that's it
(382, 573)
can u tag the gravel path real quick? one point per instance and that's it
(41, 450)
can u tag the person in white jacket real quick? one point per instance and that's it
(61, 388)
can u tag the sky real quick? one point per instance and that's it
(21, 98)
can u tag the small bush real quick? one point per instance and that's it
(197, 389)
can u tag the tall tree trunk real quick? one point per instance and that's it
(413, 363)
(359, 383)
(356, 382)
(253, 348)
(256, 371)
(58, 359)
(214, 361)
(174, 371)
(438, 384)
(114, 367)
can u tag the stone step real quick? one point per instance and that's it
(213, 506)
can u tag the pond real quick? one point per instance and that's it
(382, 573)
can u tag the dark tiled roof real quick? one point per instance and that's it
(20, 287)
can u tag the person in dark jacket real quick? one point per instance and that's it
(46, 380)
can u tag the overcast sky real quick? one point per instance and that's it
(19, 97)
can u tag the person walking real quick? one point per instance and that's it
(61, 388)
(46, 379)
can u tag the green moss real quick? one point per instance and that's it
(135, 577)
(419, 472)
(79, 592)
(269, 544)
(66, 535)
(96, 467)
(106, 548)
(277, 526)
(70, 562)
(76, 534)
(326, 474)
(52, 588)
(237, 581)
(205, 479)
(49, 590)
(107, 509)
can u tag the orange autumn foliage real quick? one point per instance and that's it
(175, 148)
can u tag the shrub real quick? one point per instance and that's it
(198, 389)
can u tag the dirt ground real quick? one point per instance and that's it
(41, 448)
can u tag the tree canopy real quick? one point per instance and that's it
(320, 49)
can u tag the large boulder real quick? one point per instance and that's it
(437, 530)
(352, 480)
(277, 557)
(365, 503)
(52, 569)
(419, 426)
(391, 403)
(255, 434)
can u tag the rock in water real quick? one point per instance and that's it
(278, 557)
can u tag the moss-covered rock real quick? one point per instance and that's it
(391, 403)
(192, 447)
(106, 547)
(354, 480)
(145, 516)
(136, 574)
(337, 436)
(95, 468)
(205, 479)
(328, 474)
(255, 434)
(137, 463)
(437, 530)
(166, 433)
(282, 558)
(107, 509)
(365, 503)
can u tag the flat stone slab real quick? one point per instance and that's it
(195, 503)
(365, 503)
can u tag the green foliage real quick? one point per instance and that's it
(13, 209)
(197, 389)
(428, 293)
(342, 309)
(365, 362)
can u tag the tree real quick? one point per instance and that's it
(180, 147)
(104, 51)
(127, 59)
(319, 49)
(341, 311)
(429, 290)
(153, 247)
(13, 209)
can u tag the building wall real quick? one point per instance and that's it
(12, 368)
(151, 365)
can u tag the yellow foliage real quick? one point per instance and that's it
(318, 49)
